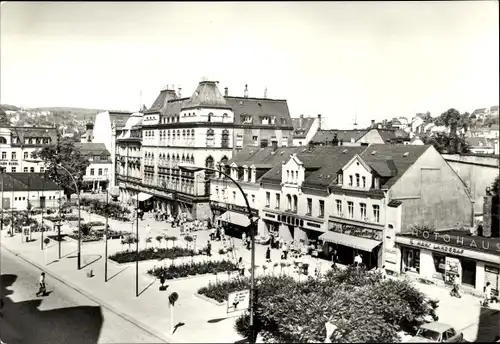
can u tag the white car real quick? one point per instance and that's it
(436, 332)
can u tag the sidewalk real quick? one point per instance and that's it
(201, 318)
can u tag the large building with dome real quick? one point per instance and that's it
(202, 130)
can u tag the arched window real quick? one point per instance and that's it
(178, 158)
(168, 134)
(225, 139)
(210, 115)
(192, 158)
(295, 201)
(168, 156)
(224, 117)
(192, 133)
(210, 137)
(183, 158)
(178, 134)
(183, 133)
(288, 202)
(3, 140)
(209, 162)
(187, 133)
(224, 160)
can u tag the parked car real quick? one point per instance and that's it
(437, 332)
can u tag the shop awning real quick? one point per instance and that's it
(235, 218)
(362, 244)
(143, 196)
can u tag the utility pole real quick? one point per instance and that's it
(106, 242)
(137, 247)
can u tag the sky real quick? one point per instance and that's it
(369, 60)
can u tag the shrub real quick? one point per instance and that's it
(184, 270)
(362, 306)
(150, 253)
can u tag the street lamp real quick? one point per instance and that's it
(193, 169)
(78, 197)
(1, 221)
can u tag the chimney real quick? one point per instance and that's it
(265, 92)
(274, 145)
(90, 130)
(319, 121)
(245, 93)
(179, 92)
(301, 121)
(373, 123)
(226, 91)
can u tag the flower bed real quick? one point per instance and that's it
(96, 224)
(152, 253)
(52, 218)
(364, 307)
(58, 237)
(87, 238)
(184, 270)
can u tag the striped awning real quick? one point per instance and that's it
(358, 243)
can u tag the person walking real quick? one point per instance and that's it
(286, 247)
(456, 286)
(268, 255)
(209, 248)
(334, 259)
(244, 238)
(42, 288)
(487, 294)
(358, 260)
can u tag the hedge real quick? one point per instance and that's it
(191, 269)
(152, 253)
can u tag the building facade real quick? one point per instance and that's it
(201, 130)
(17, 144)
(98, 174)
(24, 190)
(304, 129)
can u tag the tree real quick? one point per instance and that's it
(66, 154)
(444, 143)
(495, 187)
(426, 117)
(4, 118)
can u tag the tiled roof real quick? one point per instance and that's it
(345, 135)
(28, 181)
(25, 132)
(301, 131)
(207, 94)
(321, 163)
(258, 107)
(389, 135)
(478, 111)
(389, 157)
(494, 108)
(91, 147)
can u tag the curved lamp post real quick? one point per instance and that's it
(78, 195)
(193, 168)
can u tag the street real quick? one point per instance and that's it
(63, 316)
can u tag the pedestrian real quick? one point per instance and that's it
(244, 238)
(334, 259)
(209, 248)
(285, 250)
(41, 289)
(487, 293)
(248, 243)
(358, 260)
(212, 233)
(268, 255)
(241, 266)
(456, 286)
(382, 272)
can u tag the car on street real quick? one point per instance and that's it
(435, 332)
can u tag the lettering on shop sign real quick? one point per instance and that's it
(10, 163)
(437, 247)
(463, 241)
(357, 231)
(491, 269)
(315, 225)
(270, 215)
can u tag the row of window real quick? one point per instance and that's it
(99, 172)
(32, 140)
(24, 198)
(374, 216)
(225, 198)
(13, 169)
(13, 155)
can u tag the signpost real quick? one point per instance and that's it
(238, 301)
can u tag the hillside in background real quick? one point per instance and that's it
(78, 114)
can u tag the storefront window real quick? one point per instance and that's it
(411, 260)
(439, 263)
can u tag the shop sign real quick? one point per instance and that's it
(238, 301)
(390, 255)
(463, 241)
(10, 163)
(315, 225)
(437, 247)
(491, 269)
(270, 215)
(356, 231)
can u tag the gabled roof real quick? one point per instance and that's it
(389, 135)
(321, 164)
(390, 161)
(92, 147)
(119, 118)
(28, 182)
(323, 136)
(478, 111)
(207, 94)
(42, 132)
(301, 131)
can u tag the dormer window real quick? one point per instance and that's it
(340, 178)
(376, 183)
(357, 180)
(364, 181)
(350, 180)
(246, 119)
(254, 175)
(287, 176)
(234, 173)
(245, 174)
